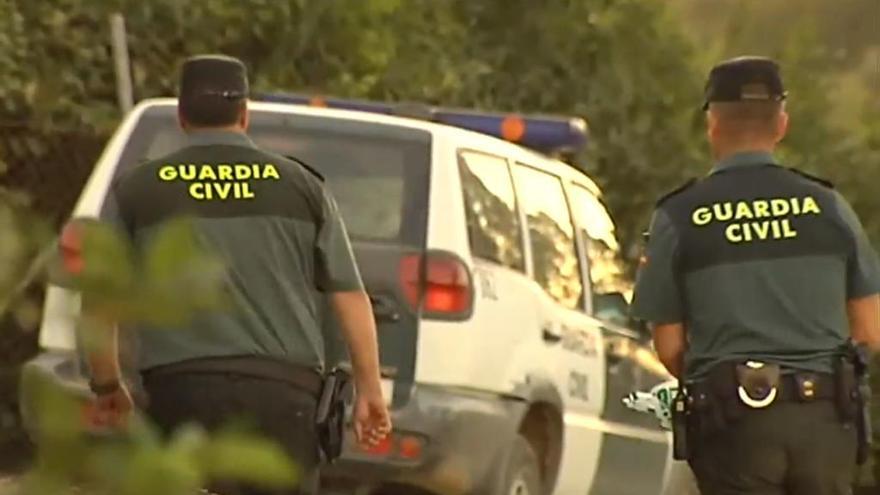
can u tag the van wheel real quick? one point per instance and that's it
(523, 476)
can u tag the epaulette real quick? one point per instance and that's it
(676, 191)
(824, 182)
(307, 167)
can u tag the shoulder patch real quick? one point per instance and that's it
(306, 167)
(676, 191)
(810, 177)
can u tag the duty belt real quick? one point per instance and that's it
(794, 387)
(268, 368)
(729, 390)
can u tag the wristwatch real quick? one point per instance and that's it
(104, 388)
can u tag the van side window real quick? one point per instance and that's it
(606, 268)
(490, 205)
(554, 253)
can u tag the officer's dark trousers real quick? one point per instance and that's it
(280, 411)
(787, 449)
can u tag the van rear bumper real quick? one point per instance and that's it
(466, 438)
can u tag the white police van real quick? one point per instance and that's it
(497, 285)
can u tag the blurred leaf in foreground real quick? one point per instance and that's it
(179, 276)
(137, 461)
(162, 284)
(240, 456)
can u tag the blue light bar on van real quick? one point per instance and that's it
(542, 133)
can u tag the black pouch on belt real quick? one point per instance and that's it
(330, 413)
(722, 384)
(758, 383)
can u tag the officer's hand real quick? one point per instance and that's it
(112, 410)
(372, 423)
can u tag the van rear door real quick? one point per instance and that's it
(378, 175)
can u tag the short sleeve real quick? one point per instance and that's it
(657, 296)
(863, 267)
(335, 266)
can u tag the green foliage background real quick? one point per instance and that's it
(830, 52)
(593, 58)
(633, 68)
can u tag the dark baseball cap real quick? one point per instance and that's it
(745, 79)
(213, 75)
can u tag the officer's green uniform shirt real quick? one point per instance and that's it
(272, 223)
(757, 261)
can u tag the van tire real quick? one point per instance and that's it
(523, 476)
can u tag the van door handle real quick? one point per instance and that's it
(384, 308)
(549, 335)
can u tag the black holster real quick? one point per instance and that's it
(681, 450)
(853, 397)
(714, 400)
(330, 413)
(705, 408)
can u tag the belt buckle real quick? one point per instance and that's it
(751, 372)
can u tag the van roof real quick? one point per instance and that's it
(511, 149)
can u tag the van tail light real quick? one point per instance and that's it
(383, 448)
(410, 448)
(70, 245)
(437, 282)
(403, 447)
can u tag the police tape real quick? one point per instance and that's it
(657, 402)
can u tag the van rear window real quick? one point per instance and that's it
(377, 173)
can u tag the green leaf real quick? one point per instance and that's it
(189, 441)
(235, 455)
(179, 276)
(154, 471)
(43, 482)
(107, 270)
(59, 413)
(170, 252)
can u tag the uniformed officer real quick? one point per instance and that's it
(754, 278)
(280, 234)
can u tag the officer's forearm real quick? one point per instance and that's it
(864, 321)
(355, 315)
(670, 344)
